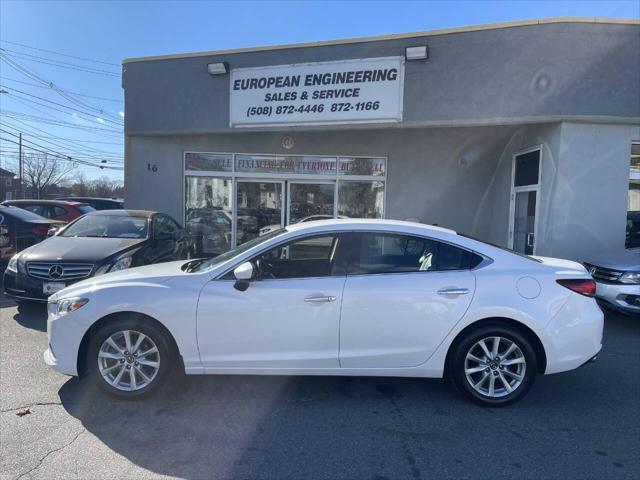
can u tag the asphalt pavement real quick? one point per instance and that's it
(581, 424)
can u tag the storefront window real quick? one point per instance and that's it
(363, 166)
(361, 198)
(208, 162)
(632, 234)
(208, 214)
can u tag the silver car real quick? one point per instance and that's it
(617, 276)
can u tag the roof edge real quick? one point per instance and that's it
(394, 36)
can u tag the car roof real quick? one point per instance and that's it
(124, 213)
(72, 197)
(366, 224)
(43, 202)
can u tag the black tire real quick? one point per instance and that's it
(166, 357)
(459, 378)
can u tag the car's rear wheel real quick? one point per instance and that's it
(130, 358)
(493, 365)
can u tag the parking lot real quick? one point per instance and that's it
(581, 424)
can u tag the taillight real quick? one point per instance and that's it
(42, 231)
(583, 286)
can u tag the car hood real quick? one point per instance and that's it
(156, 273)
(69, 249)
(618, 259)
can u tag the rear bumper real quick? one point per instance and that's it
(619, 296)
(574, 336)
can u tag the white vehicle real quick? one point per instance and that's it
(347, 297)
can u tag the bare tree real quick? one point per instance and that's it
(81, 185)
(44, 172)
(103, 187)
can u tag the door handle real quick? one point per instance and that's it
(530, 238)
(453, 291)
(321, 299)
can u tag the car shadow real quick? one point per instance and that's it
(235, 426)
(32, 315)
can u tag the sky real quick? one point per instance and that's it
(85, 122)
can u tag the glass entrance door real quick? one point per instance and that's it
(258, 208)
(524, 221)
(525, 196)
(310, 201)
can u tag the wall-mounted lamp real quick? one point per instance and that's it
(417, 53)
(217, 68)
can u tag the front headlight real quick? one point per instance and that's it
(12, 266)
(630, 277)
(120, 264)
(68, 305)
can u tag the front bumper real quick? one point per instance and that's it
(620, 296)
(23, 287)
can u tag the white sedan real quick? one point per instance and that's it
(347, 297)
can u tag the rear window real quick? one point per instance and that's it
(20, 214)
(85, 208)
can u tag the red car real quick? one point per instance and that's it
(53, 209)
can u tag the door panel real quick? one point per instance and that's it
(274, 323)
(398, 320)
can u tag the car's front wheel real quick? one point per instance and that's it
(493, 366)
(130, 358)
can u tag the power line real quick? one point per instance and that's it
(105, 114)
(35, 118)
(54, 63)
(49, 87)
(66, 158)
(34, 76)
(61, 54)
(85, 151)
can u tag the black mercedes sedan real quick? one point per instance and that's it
(94, 244)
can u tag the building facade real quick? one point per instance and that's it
(519, 134)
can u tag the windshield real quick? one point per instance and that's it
(237, 251)
(108, 226)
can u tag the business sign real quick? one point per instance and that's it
(348, 91)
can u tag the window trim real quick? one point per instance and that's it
(486, 260)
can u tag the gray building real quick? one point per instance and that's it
(520, 134)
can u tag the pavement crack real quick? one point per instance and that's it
(29, 405)
(40, 462)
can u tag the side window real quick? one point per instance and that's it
(163, 226)
(58, 211)
(307, 257)
(394, 253)
(41, 210)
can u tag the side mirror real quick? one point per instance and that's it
(243, 274)
(52, 231)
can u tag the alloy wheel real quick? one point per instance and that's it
(495, 366)
(129, 360)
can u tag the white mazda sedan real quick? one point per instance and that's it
(347, 297)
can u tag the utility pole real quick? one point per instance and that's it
(20, 195)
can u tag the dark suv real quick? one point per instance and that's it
(97, 203)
